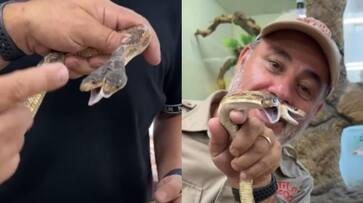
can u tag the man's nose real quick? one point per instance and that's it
(282, 89)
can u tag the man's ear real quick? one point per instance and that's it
(242, 55)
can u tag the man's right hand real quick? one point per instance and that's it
(72, 25)
(15, 118)
(248, 155)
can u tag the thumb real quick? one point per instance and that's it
(219, 139)
(17, 86)
(168, 189)
(107, 40)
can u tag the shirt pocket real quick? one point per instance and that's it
(191, 192)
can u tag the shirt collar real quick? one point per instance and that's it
(197, 118)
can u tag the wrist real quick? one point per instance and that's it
(15, 24)
(168, 171)
(233, 182)
(259, 193)
(262, 181)
(176, 171)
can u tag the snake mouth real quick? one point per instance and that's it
(272, 114)
(96, 95)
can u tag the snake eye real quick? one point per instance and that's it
(275, 101)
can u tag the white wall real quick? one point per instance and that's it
(203, 57)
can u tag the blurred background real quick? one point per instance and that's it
(202, 57)
(332, 147)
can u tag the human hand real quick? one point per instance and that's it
(15, 118)
(71, 26)
(168, 190)
(249, 155)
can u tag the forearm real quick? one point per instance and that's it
(167, 142)
(15, 24)
(260, 187)
(13, 27)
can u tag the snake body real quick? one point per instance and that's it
(110, 77)
(274, 110)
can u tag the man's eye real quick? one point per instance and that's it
(275, 66)
(304, 92)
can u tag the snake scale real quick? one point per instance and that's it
(270, 105)
(110, 77)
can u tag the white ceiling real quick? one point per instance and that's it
(257, 7)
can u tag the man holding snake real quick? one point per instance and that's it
(74, 152)
(296, 61)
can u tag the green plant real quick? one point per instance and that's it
(235, 45)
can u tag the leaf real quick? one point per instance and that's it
(246, 39)
(230, 43)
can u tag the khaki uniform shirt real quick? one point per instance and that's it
(204, 183)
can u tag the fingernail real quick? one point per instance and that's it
(242, 176)
(62, 73)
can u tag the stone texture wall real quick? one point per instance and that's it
(319, 148)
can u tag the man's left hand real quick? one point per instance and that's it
(168, 190)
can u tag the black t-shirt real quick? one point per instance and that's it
(77, 153)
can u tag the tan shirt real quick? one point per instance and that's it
(204, 183)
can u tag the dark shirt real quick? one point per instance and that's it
(77, 153)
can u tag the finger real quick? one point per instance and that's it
(17, 86)
(246, 136)
(9, 168)
(219, 139)
(98, 61)
(105, 38)
(102, 38)
(14, 124)
(168, 189)
(152, 53)
(127, 18)
(78, 65)
(267, 164)
(10, 149)
(41, 50)
(237, 117)
(259, 149)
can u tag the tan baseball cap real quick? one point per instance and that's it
(316, 30)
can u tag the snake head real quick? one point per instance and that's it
(137, 39)
(112, 82)
(275, 109)
(111, 77)
(292, 114)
